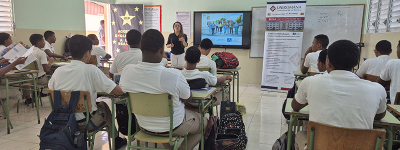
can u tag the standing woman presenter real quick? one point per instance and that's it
(177, 41)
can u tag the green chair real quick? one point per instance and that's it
(84, 106)
(151, 105)
(326, 137)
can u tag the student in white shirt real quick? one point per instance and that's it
(319, 43)
(374, 66)
(43, 65)
(150, 76)
(132, 56)
(79, 76)
(205, 62)
(50, 38)
(99, 52)
(390, 74)
(336, 98)
(192, 58)
(6, 43)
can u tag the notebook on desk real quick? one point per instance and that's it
(202, 90)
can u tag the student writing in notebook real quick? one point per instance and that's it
(340, 98)
(374, 66)
(79, 76)
(319, 43)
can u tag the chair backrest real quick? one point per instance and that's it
(92, 60)
(151, 105)
(204, 69)
(328, 137)
(396, 99)
(313, 73)
(66, 96)
(369, 77)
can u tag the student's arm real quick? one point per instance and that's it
(297, 106)
(47, 67)
(111, 75)
(6, 69)
(117, 90)
(169, 43)
(188, 99)
(108, 56)
(385, 77)
(300, 99)
(183, 40)
(222, 79)
(103, 39)
(50, 54)
(381, 112)
(382, 82)
(363, 69)
(305, 65)
(380, 116)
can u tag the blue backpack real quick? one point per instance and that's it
(60, 130)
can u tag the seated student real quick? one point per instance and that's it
(50, 37)
(389, 74)
(340, 98)
(205, 62)
(132, 56)
(37, 42)
(98, 51)
(320, 42)
(192, 58)
(6, 43)
(374, 66)
(79, 76)
(150, 76)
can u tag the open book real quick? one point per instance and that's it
(20, 51)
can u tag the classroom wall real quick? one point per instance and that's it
(36, 16)
(251, 67)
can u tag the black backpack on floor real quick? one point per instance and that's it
(122, 119)
(232, 123)
(60, 130)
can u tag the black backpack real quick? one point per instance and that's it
(60, 130)
(281, 143)
(122, 119)
(232, 123)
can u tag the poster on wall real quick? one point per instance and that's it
(184, 19)
(283, 43)
(124, 17)
(152, 17)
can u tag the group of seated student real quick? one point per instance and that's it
(336, 98)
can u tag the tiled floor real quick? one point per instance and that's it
(264, 122)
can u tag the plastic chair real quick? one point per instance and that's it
(151, 105)
(326, 137)
(84, 106)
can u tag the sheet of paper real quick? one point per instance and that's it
(28, 61)
(15, 52)
(30, 51)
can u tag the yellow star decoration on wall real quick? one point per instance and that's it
(114, 42)
(127, 19)
(115, 9)
(113, 23)
(140, 22)
(136, 9)
(117, 50)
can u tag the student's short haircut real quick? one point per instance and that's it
(48, 34)
(92, 36)
(322, 56)
(152, 41)
(343, 55)
(192, 55)
(78, 45)
(101, 21)
(3, 37)
(384, 47)
(323, 40)
(133, 37)
(35, 38)
(206, 44)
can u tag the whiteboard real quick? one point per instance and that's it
(335, 21)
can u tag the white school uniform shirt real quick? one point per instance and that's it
(99, 52)
(78, 76)
(195, 74)
(205, 62)
(48, 46)
(41, 59)
(132, 56)
(312, 61)
(373, 66)
(336, 99)
(391, 72)
(154, 78)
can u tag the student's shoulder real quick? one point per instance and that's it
(394, 62)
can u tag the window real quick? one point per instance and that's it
(384, 16)
(373, 13)
(395, 16)
(6, 17)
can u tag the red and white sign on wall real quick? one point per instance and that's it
(152, 17)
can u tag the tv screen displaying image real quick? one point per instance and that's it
(224, 29)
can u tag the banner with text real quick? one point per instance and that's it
(184, 19)
(124, 17)
(152, 17)
(283, 43)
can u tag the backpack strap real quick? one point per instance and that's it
(73, 101)
(57, 100)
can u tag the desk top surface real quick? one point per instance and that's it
(299, 73)
(395, 108)
(202, 95)
(229, 70)
(389, 119)
(11, 73)
(298, 83)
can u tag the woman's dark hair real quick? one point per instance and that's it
(343, 55)
(3, 37)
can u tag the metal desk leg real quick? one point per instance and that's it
(290, 131)
(7, 108)
(113, 123)
(233, 87)
(202, 124)
(237, 92)
(36, 97)
(389, 132)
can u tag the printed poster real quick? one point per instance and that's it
(283, 43)
(184, 19)
(152, 17)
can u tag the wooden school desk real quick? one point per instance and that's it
(387, 122)
(235, 76)
(299, 75)
(18, 78)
